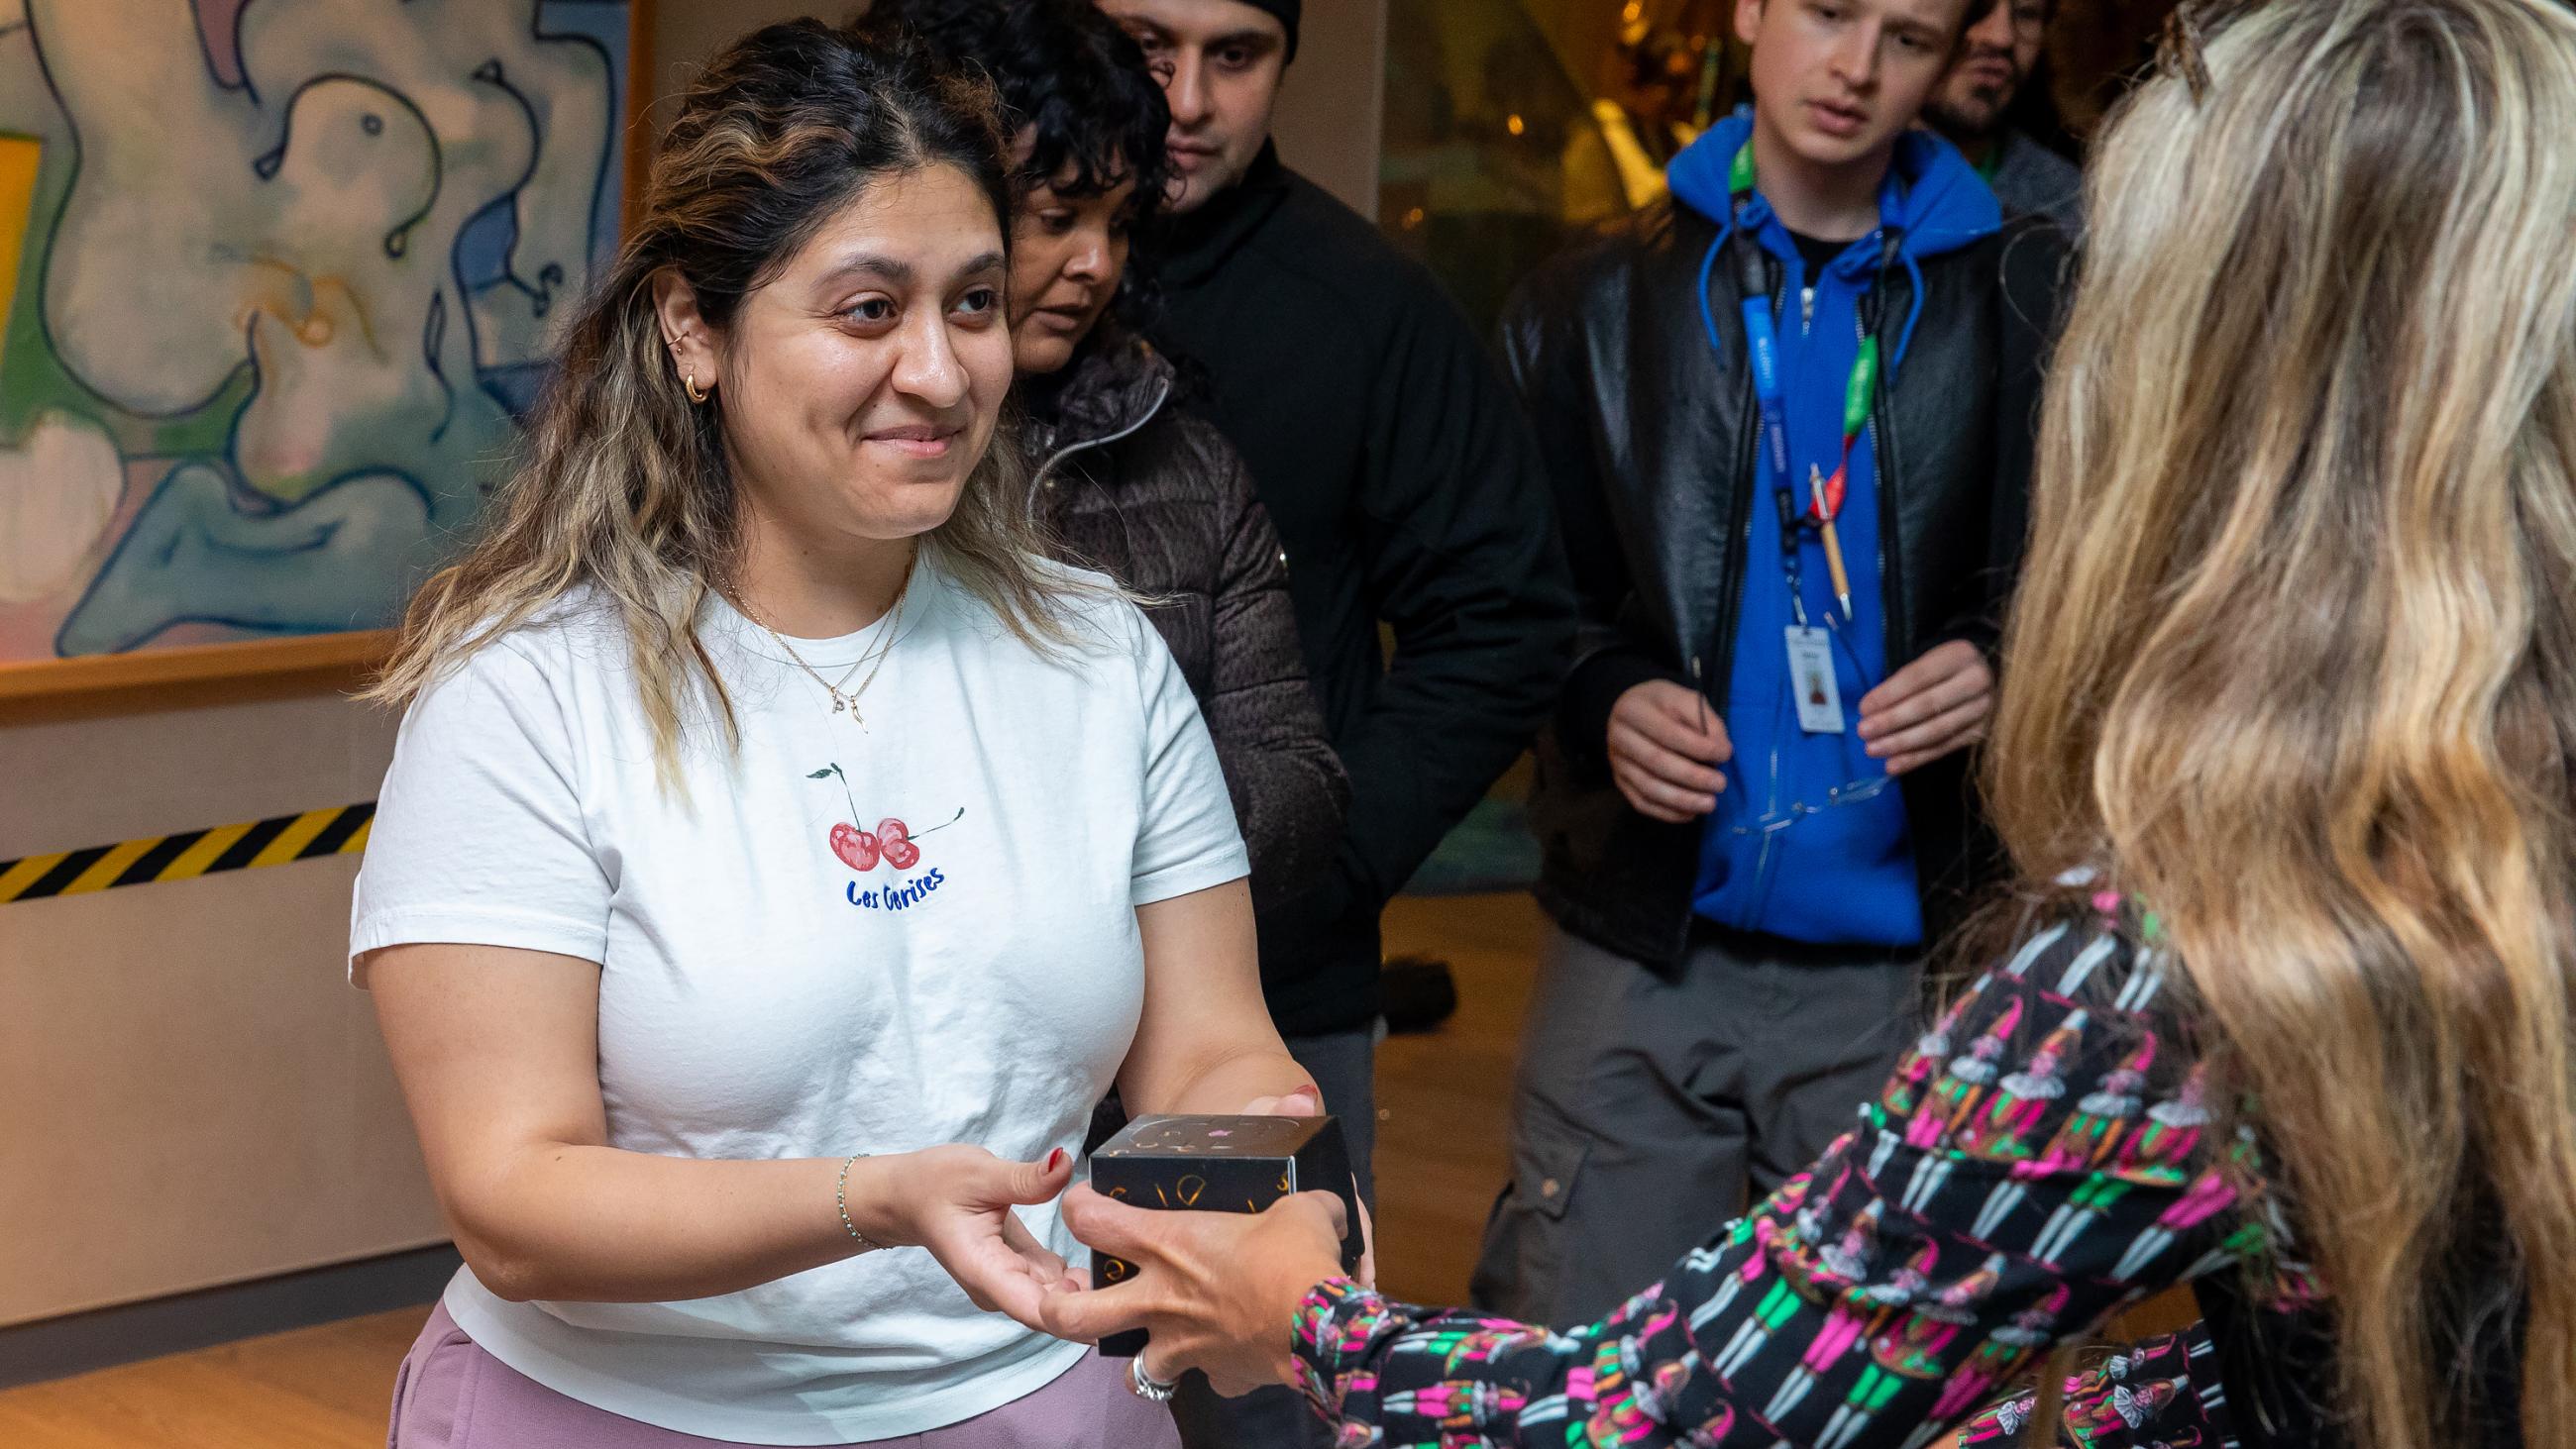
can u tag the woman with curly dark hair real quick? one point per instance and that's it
(1129, 480)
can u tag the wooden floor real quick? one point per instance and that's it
(317, 1388)
(1441, 1096)
(1440, 1156)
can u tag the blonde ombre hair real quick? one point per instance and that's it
(2294, 658)
(626, 487)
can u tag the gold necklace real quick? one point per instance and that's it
(847, 702)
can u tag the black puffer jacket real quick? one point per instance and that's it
(1648, 441)
(1134, 485)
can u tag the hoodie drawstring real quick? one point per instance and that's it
(1708, 264)
(1913, 312)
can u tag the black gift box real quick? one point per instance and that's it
(1220, 1164)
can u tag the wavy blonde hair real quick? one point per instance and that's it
(2295, 653)
(625, 486)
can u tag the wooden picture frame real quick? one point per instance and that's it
(191, 674)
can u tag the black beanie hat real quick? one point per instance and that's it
(1285, 12)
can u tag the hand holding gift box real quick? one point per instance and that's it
(1220, 1164)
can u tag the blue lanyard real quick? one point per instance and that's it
(1761, 337)
(1762, 350)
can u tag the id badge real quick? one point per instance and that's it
(1811, 676)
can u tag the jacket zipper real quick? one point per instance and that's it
(1767, 856)
(1731, 608)
(1889, 605)
(1721, 639)
(1765, 874)
(1870, 427)
(1041, 482)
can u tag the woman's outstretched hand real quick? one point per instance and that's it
(1216, 1291)
(960, 1202)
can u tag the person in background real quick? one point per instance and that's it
(1129, 479)
(1788, 414)
(780, 854)
(1399, 473)
(2284, 762)
(1397, 469)
(1994, 61)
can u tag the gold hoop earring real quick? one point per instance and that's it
(689, 380)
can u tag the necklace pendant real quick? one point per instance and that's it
(838, 704)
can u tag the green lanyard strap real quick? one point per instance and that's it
(1860, 388)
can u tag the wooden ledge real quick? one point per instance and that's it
(189, 677)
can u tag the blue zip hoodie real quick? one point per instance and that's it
(1844, 874)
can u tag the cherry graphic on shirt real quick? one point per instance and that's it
(900, 852)
(859, 850)
(893, 842)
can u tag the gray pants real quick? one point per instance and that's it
(1345, 1067)
(1649, 1110)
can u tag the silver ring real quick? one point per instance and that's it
(1149, 1388)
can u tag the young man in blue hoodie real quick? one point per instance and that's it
(1788, 417)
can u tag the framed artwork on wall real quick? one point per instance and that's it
(277, 284)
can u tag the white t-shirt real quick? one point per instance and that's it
(773, 987)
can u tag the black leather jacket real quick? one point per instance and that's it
(1647, 436)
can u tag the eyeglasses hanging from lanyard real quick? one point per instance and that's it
(1860, 388)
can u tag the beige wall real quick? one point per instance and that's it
(1334, 104)
(193, 1095)
(686, 32)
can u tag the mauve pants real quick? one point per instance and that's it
(451, 1394)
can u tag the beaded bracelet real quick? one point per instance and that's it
(841, 1200)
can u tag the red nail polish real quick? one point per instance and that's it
(1054, 1158)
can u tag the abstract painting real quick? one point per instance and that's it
(278, 279)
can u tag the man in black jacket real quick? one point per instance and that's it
(1398, 470)
(1788, 415)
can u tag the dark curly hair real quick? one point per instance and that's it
(1069, 79)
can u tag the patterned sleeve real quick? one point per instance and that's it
(2164, 1391)
(2035, 1164)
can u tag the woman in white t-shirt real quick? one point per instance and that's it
(779, 858)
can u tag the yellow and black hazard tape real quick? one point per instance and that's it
(335, 830)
